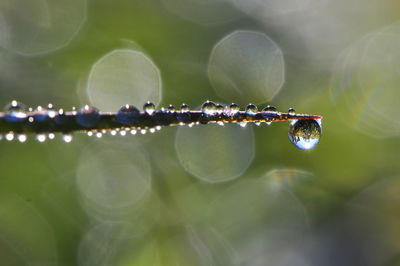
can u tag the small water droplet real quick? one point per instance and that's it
(269, 108)
(10, 136)
(128, 115)
(67, 138)
(232, 109)
(15, 112)
(152, 130)
(51, 135)
(208, 108)
(149, 108)
(22, 138)
(158, 128)
(50, 110)
(99, 135)
(243, 124)
(41, 137)
(88, 116)
(185, 108)
(258, 123)
(90, 133)
(251, 109)
(143, 131)
(305, 134)
(113, 132)
(219, 109)
(122, 132)
(268, 123)
(170, 108)
(60, 118)
(291, 111)
(40, 114)
(133, 131)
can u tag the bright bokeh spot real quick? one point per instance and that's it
(121, 77)
(39, 26)
(113, 177)
(365, 83)
(213, 153)
(246, 66)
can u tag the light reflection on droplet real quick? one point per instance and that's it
(213, 153)
(246, 66)
(123, 76)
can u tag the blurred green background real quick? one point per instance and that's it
(205, 195)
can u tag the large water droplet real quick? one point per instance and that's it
(183, 116)
(305, 134)
(88, 116)
(149, 108)
(128, 115)
(219, 109)
(15, 112)
(209, 108)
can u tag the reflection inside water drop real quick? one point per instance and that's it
(305, 134)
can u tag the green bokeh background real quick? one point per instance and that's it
(42, 217)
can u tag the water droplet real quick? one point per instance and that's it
(90, 133)
(243, 124)
(129, 115)
(51, 135)
(183, 116)
(158, 127)
(40, 114)
(149, 108)
(22, 138)
(219, 109)
(291, 111)
(185, 108)
(258, 123)
(305, 134)
(60, 118)
(10, 136)
(41, 137)
(268, 123)
(269, 108)
(232, 109)
(143, 131)
(113, 132)
(171, 108)
(221, 123)
(251, 109)
(50, 110)
(122, 132)
(208, 108)
(88, 116)
(133, 131)
(99, 135)
(152, 130)
(67, 138)
(15, 112)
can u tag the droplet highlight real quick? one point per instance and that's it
(15, 112)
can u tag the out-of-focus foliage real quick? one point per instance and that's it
(204, 195)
